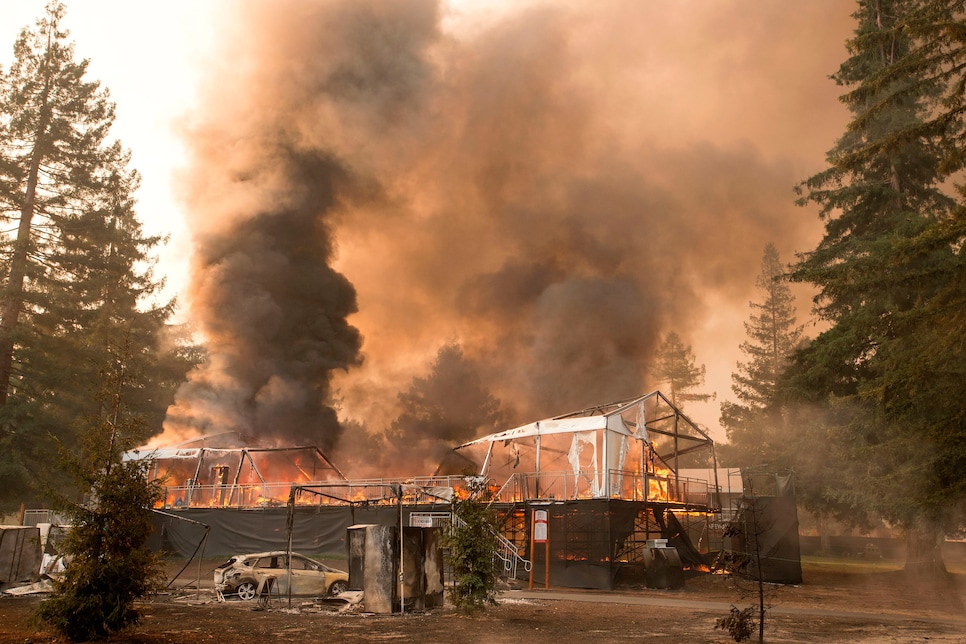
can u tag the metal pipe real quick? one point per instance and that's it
(537, 483)
(402, 570)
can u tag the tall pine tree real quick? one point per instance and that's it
(754, 422)
(76, 274)
(676, 367)
(887, 270)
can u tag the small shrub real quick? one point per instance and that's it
(740, 624)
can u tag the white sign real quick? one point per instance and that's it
(539, 526)
(423, 521)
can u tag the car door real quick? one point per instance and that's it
(308, 577)
(273, 565)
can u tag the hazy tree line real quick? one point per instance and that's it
(870, 413)
(77, 293)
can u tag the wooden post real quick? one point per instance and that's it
(533, 554)
(537, 483)
(546, 564)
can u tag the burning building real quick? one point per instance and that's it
(366, 179)
(206, 472)
(610, 480)
(609, 477)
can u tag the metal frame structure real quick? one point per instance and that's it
(243, 460)
(635, 446)
(612, 475)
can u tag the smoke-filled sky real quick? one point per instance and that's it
(551, 186)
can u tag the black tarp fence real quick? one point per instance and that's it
(769, 539)
(316, 530)
(587, 536)
(765, 527)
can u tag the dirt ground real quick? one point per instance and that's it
(836, 603)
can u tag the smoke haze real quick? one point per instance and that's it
(552, 188)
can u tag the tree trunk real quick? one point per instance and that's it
(13, 294)
(924, 556)
(825, 543)
(12, 300)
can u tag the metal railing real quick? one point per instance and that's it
(34, 517)
(268, 495)
(630, 486)
(521, 487)
(507, 552)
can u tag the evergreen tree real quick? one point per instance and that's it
(472, 541)
(76, 270)
(753, 423)
(676, 368)
(448, 407)
(109, 565)
(53, 126)
(889, 271)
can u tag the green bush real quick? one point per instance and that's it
(473, 545)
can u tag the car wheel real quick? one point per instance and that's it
(338, 587)
(246, 590)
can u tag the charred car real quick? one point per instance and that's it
(243, 575)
